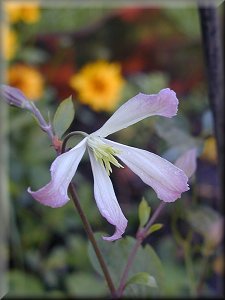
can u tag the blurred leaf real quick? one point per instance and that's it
(20, 120)
(143, 279)
(69, 19)
(116, 255)
(151, 83)
(24, 284)
(144, 211)
(32, 55)
(64, 116)
(207, 222)
(82, 284)
(176, 280)
(56, 259)
(155, 227)
(186, 20)
(77, 255)
(85, 191)
(38, 149)
(176, 134)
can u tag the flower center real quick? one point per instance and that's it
(98, 85)
(104, 153)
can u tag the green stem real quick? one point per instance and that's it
(43, 124)
(202, 275)
(69, 135)
(189, 268)
(185, 245)
(153, 218)
(141, 234)
(91, 237)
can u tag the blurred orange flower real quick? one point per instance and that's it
(28, 79)
(23, 11)
(209, 152)
(99, 85)
(9, 42)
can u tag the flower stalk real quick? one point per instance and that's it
(43, 124)
(91, 237)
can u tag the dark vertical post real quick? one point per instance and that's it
(212, 44)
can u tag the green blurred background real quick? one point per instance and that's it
(153, 48)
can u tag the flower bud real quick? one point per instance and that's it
(14, 97)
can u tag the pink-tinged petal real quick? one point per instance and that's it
(167, 180)
(106, 199)
(139, 107)
(188, 162)
(63, 168)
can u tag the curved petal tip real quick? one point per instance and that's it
(54, 194)
(118, 232)
(49, 196)
(168, 102)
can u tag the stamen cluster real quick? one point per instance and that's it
(104, 153)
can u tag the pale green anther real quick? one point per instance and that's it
(104, 154)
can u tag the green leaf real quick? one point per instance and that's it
(64, 116)
(142, 278)
(116, 254)
(24, 284)
(154, 228)
(67, 19)
(81, 284)
(144, 211)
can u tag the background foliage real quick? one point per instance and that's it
(155, 48)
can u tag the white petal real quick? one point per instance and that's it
(63, 168)
(106, 199)
(167, 180)
(138, 108)
(187, 162)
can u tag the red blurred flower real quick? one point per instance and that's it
(58, 75)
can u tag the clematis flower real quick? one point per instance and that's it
(167, 180)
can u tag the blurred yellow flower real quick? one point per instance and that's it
(98, 85)
(9, 42)
(23, 11)
(209, 152)
(28, 79)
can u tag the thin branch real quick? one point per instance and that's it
(141, 234)
(154, 217)
(91, 237)
(43, 124)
